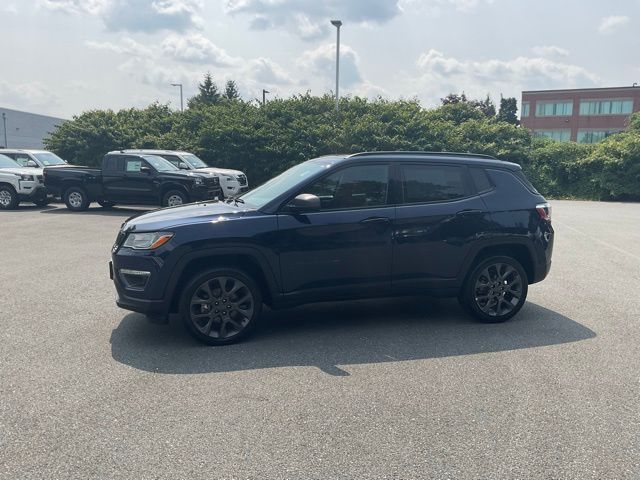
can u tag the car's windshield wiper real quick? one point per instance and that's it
(235, 200)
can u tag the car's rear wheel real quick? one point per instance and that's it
(174, 198)
(76, 199)
(8, 197)
(220, 306)
(495, 290)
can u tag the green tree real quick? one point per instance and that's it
(208, 93)
(508, 111)
(231, 91)
(454, 98)
(486, 106)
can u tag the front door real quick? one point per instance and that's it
(131, 185)
(343, 250)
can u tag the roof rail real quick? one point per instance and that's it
(417, 153)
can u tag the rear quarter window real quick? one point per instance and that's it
(520, 176)
(480, 179)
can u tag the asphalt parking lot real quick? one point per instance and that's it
(399, 388)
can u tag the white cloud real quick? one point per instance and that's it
(612, 23)
(309, 19)
(30, 95)
(127, 46)
(196, 48)
(550, 51)
(440, 75)
(136, 15)
(10, 8)
(266, 71)
(322, 62)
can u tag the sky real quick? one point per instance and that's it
(62, 57)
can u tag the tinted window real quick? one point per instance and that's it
(480, 179)
(353, 187)
(111, 164)
(525, 180)
(172, 158)
(432, 183)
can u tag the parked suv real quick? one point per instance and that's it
(130, 179)
(341, 227)
(33, 158)
(18, 184)
(232, 182)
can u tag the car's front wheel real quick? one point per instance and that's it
(174, 198)
(220, 306)
(8, 197)
(495, 290)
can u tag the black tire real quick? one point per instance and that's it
(216, 317)
(8, 197)
(42, 202)
(106, 205)
(495, 290)
(169, 198)
(76, 199)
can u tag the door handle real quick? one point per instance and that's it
(375, 220)
(468, 213)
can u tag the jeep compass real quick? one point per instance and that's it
(341, 227)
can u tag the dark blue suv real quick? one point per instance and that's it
(336, 228)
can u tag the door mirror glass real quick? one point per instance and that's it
(304, 203)
(183, 166)
(31, 164)
(146, 170)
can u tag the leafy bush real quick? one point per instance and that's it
(265, 140)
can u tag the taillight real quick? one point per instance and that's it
(544, 210)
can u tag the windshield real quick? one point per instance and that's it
(194, 161)
(266, 192)
(48, 158)
(6, 162)
(160, 164)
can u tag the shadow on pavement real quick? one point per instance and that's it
(97, 210)
(332, 334)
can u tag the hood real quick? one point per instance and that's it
(167, 218)
(22, 170)
(221, 171)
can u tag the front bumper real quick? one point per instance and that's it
(155, 309)
(31, 191)
(206, 192)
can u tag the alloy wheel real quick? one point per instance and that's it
(221, 307)
(5, 198)
(75, 199)
(498, 289)
(174, 200)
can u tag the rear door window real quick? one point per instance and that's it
(423, 183)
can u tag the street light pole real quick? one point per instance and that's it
(4, 121)
(337, 24)
(179, 85)
(264, 98)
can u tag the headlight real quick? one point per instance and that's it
(228, 178)
(147, 241)
(199, 181)
(26, 178)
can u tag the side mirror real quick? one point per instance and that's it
(31, 164)
(183, 166)
(304, 203)
(146, 170)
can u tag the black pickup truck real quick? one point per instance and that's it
(130, 179)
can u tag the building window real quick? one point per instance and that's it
(558, 135)
(525, 109)
(606, 107)
(594, 136)
(554, 109)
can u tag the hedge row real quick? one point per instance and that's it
(265, 140)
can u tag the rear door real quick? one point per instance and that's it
(438, 218)
(344, 249)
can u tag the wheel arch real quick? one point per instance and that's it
(248, 261)
(173, 186)
(517, 250)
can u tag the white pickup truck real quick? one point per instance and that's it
(20, 184)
